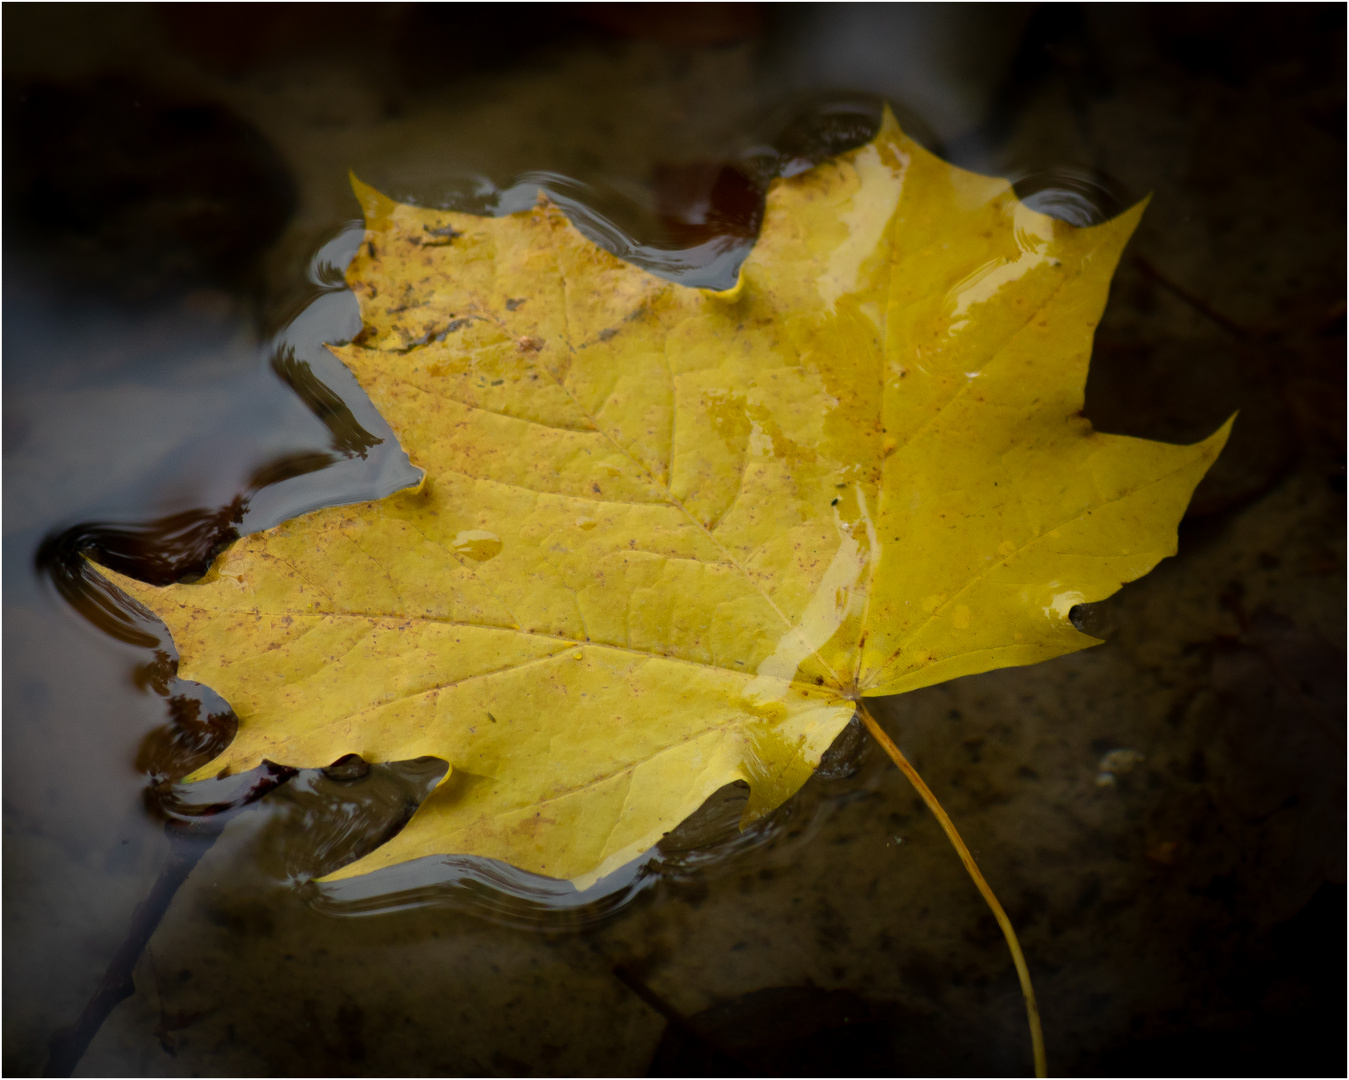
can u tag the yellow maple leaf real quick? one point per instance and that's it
(669, 538)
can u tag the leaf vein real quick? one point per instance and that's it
(1044, 535)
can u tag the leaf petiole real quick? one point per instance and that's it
(948, 826)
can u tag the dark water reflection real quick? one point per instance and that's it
(1077, 196)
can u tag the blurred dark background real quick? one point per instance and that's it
(176, 209)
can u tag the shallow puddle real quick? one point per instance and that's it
(1162, 816)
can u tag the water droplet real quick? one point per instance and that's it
(1116, 763)
(477, 544)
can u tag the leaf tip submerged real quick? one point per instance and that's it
(376, 207)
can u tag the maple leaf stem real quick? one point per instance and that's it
(948, 826)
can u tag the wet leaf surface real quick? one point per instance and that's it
(668, 537)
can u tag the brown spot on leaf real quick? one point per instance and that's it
(441, 237)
